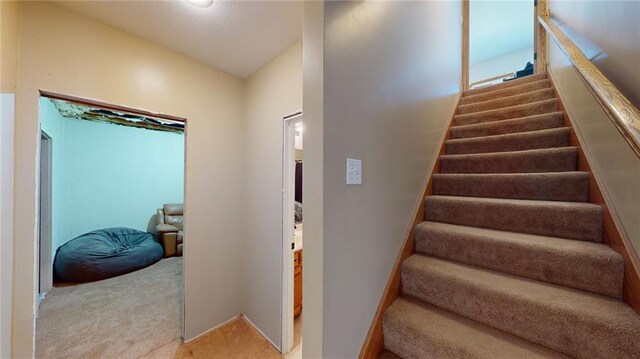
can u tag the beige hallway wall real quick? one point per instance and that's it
(67, 53)
(607, 32)
(613, 160)
(392, 73)
(273, 92)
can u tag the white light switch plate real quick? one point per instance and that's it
(354, 171)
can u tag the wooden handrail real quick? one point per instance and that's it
(625, 116)
(510, 74)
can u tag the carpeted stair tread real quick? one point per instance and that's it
(415, 329)
(577, 323)
(504, 85)
(555, 137)
(516, 125)
(571, 220)
(501, 102)
(507, 113)
(526, 87)
(588, 266)
(549, 186)
(560, 159)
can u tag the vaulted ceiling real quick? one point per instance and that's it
(238, 37)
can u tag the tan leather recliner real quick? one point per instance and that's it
(170, 220)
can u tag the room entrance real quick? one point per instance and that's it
(292, 204)
(499, 42)
(111, 218)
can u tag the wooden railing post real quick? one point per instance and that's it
(540, 36)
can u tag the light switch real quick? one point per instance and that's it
(354, 171)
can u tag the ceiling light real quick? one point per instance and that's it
(200, 3)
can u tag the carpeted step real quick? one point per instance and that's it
(541, 160)
(501, 102)
(577, 323)
(516, 125)
(550, 186)
(509, 91)
(415, 329)
(572, 220)
(504, 85)
(507, 113)
(555, 137)
(593, 267)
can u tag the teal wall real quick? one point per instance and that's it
(52, 123)
(106, 175)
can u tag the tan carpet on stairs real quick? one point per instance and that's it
(123, 317)
(509, 261)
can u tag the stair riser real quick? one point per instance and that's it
(533, 123)
(512, 162)
(535, 108)
(599, 274)
(533, 86)
(570, 187)
(505, 85)
(549, 219)
(515, 100)
(517, 142)
(534, 321)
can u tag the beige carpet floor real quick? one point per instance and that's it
(122, 317)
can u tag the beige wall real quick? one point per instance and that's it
(614, 162)
(607, 31)
(9, 38)
(392, 73)
(275, 91)
(70, 54)
(312, 186)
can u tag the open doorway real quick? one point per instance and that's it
(292, 301)
(111, 218)
(500, 41)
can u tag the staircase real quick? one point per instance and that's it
(509, 261)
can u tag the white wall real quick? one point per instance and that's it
(498, 28)
(392, 73)
(275, 91)
(6, 220)
(123, 69)
(107, 175)
(501, 65)
(9, 40)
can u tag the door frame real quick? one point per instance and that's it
(132, 111)
(540, 8)
(288, 211)
(45, 257)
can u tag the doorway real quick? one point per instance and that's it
(111, 217)
(292, 238)
(500, 44)
(45, 277)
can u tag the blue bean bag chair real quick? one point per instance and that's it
(105, 253)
